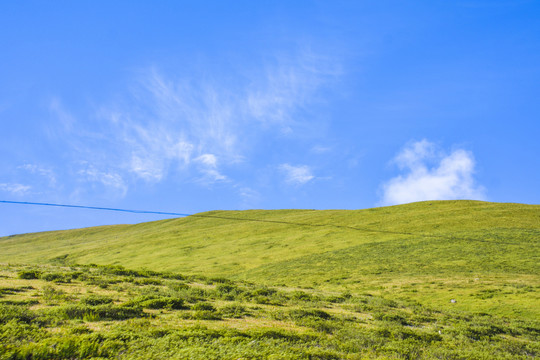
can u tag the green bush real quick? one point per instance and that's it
(164, 303)
(16, 312)
(203, 306)
(94, 300)
(339, 299)
(277, 334)
(29, 274)
(234, 311)
(157, 302)
(299, 314)
(178, 286)
(264, 291)
(23, 302)
(263, 300)
(218, 280)
(301, 296)
(391, 317)
(56, 277)
(99, 312)
(14, 290)
(228, 291)
(52, 294)
(148, 281)
(205, 315)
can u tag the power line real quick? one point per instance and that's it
(207, 216)
(94, 208)
(348, 227)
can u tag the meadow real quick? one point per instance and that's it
(429, 280)
(76, 312)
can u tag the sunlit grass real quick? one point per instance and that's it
(113, 312)
(430, 252)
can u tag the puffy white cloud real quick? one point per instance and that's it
(432, 175)
(297, 175)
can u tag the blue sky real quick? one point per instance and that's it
(189, 106)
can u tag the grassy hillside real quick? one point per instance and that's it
(109, 312)
(484, 255)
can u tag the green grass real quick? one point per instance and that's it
(483, 255)
(110, 312)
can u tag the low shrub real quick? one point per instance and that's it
(264, 291)
(157, 302)
(218, 280)
(301, 296)
(94, 300)
(205, 315)
(99, 312)
(263, 300)
(163, 303)
(148, 281)
(174, 286)
(320, 325)
(14, 290)
(299, 314)
(203, 306)
(16, 312)
(275, 334)
(29, 274)
(338, 299)
(228, 291)
(52, 294)
(24, 302)
(234, 311)
(391, 317)
(56, 277)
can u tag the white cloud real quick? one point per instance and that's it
(176, 123)
(449, 176)
(189, 126)
(319, 149)
(67, 120)
(208, 160)
(172, 126)
(249, 197)
(42, 171)
(298, 175)
(208, 166)
(112, 181)
(288, 87)
(15, 188)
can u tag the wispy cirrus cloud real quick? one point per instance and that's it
(41, 170)
(289, 86)
(15, 188)
(297, 175)
(189, 128)
(112, 182)
(176, 124)
(208, 166)
(173, 127)
(430, 174)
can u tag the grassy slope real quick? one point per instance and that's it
(483, 254)
(80, 312)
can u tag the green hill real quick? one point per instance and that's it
(483, 255)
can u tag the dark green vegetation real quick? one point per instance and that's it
(445, 279)
(80, 312)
